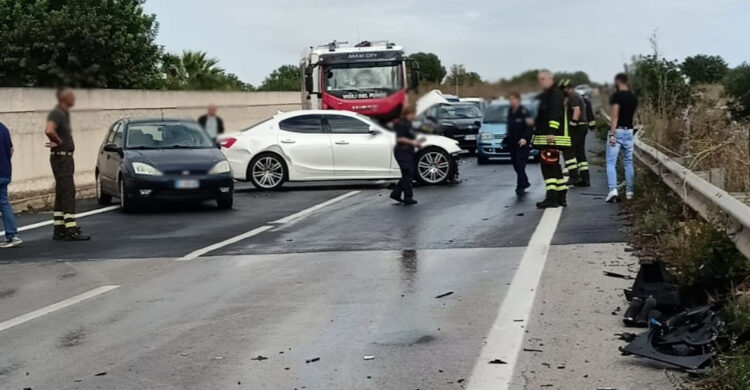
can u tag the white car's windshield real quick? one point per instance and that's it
(350, 81)
(166, 135)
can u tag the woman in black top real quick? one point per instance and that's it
(406, 142)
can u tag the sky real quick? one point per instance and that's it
(495, 38)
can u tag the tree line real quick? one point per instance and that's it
(106, 44)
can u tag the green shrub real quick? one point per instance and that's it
(737, 87)
(703, 69)
(660, 83)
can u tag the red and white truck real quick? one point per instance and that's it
(370, 78)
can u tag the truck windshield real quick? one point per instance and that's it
(363, 80)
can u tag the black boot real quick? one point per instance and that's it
(59, 233)
(551, 201)
(585, 180)
(573, 176)
(562, 198)
(75, 234)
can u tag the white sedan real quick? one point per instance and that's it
(321, 145)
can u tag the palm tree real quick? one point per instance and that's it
(193, 70)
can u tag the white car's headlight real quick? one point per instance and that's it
(221, 167)
(485, 136)
(145, 169)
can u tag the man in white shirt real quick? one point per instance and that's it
(211, 123)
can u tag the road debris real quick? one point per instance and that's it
(498, 361)
(103, 373)
(651, 297)
(369, 357)
(260, 358)
(617, 275)
(313, 360)
(532, 350)
(449, 293)
(686, 340)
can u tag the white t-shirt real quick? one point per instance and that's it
(212, 127)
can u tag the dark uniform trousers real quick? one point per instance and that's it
(520, 157)
(406, 161)
(575, 157)
(553, 178)
(63, 167)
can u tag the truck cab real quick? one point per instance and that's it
(370, 78)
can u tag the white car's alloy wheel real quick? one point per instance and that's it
(267, 172)
(433, 167)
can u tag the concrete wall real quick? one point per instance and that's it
(24, 111)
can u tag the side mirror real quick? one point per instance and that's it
(431, 118)
(112, 148)
(373, 130)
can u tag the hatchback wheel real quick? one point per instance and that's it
(267, 172)
(434, 167)
(127, 205)
(102, 198)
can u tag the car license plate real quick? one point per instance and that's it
(471, 137)
(187, 184)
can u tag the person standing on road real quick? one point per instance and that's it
(575, 158)
(624, 104)
(61, 145)
(6, 153)
(404, 151)
(212, 123)
(552, 136)
(520, 130)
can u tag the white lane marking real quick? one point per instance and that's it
(315, 208)
(296, 216)
(81, 215)
(507, 334)
(200, 252)
(55, 307)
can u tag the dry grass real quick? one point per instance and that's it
(703, 137)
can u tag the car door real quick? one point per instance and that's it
(111, 159)
(358, 150)
(307, 146)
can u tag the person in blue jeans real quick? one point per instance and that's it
(6, 152)
(624, 104)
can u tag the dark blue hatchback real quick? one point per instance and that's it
(145, 160)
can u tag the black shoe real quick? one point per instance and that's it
(58, 234)
(585, 180)
(520, 192)
(75, 234)
(549, 202)
(562, 198)
(397, 198)
(410, 202)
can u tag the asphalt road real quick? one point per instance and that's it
(290, 290)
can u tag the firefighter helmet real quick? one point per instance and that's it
(564, 84)
(550, 156)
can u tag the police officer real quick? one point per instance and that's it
(61, 145)
(551, 136)
(518, 140)
(575, 158)
(404, 151)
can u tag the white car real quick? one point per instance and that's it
(310, 145)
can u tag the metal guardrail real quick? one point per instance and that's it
(703, 197)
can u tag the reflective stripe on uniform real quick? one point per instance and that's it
(592, 123)
(70, 216)
(569, 163)
(71, 224)
(59, 222)
(554, 124)
(57, 214)
(583, 166)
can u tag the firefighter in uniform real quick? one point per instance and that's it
(575, 158)
(552, 136)
(61, 145)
